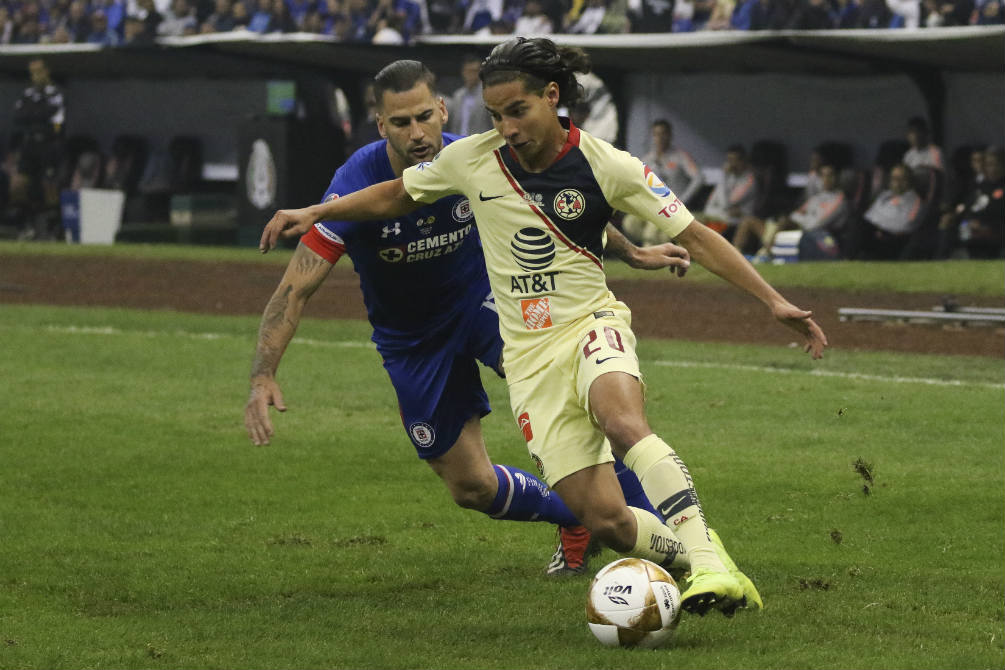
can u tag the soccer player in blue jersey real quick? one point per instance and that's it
(542, 191)
(433, 315)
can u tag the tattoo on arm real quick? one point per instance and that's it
(279, 322)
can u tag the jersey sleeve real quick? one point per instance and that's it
(428, 182)
(328, 238)
(632, 187)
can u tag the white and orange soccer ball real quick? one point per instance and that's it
(633, 602)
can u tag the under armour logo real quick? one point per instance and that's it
(388, 230)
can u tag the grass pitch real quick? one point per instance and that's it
(140, 528)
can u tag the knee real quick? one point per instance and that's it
(473, 493)
(624, 430)
(614, 529)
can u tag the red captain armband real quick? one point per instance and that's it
(324, 243)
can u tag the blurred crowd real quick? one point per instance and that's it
(136, 22)
(912, 203)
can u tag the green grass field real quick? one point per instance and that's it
(140, 528)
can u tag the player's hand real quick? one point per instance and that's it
(659, 256)
(800, 321)
(285, 223)
(264, 392)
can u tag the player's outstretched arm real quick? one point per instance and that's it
(655, 257)
(713, 252)
(385, 200)
(302, 278)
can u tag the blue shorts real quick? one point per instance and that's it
(438, 384)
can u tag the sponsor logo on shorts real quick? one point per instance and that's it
(524, 422)
(654, 183)
(536, 313)
(422, 434)
(672, 208)
(569, 204)
(462, 211)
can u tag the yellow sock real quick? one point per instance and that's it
(657, 543)
(668, 485)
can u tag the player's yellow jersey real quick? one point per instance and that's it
(543, 233)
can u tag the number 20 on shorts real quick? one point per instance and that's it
(611, 335)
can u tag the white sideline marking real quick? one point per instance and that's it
(354, 344)
(829, 373)
(109, 330)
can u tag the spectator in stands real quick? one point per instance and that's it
(533, 21)
(988, 13)
(653, 16)
(221, 20)
(847, 13)
(6, 25)
(886, 227)
(358, 12)
(389, 30)
(720, 18)
(38, 120)
(77, 22)
(298, 9)
(466, 113)
(733, 197)
(114, 11)
(825, 210)
(480, 13)
(906, 13)
(874, 14)
(760, 15)
(588, 19)
(261, 19)
(922, 154)
(940, 13)
(239, 13)
(812, 15)
(977, 224)
(179, 19)
(675, 168)
(149, 18)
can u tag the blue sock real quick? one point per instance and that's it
(632, 488)
(524, 497)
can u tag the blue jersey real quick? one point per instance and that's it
(418, 273)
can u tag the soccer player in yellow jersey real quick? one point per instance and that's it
(542, 192)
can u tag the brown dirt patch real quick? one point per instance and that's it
(673, 309)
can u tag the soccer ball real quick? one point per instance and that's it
(633, 602)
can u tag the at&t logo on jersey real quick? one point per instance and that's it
(422, 434)
(570, 204)
(654, 183)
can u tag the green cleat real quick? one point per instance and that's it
(750, 595)
(707, 589)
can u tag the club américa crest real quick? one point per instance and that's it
(569, 204)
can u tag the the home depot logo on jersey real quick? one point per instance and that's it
(536, 313)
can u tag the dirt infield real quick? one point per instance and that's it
(676, 309)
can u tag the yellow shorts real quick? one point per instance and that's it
(552, 405)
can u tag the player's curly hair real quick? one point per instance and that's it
(537, 61)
